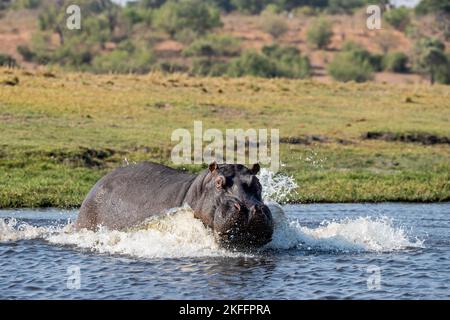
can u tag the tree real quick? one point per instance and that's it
(196, 15)
(399, 18)
(319, 33)
(249, 6)
(430, 57)
(433, 6)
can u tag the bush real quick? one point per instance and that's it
(254, 64)
(344, 6)
(273, 61)
(432, 6)
(289, 62)
(197, 15)
(25, 52)
(26, 4)
(345, 67)
(249, 6)
(214, 45)
(319, 33)
(396, 62)
(7, 61)
(170, 67)
(362, 55)
(398, 18)
(134, 15)
(209, 67)
(123, 60)
(274, 25)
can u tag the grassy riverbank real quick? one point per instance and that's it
(60, 132)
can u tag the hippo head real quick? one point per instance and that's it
(232, 206)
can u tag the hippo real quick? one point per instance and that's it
(225, 197)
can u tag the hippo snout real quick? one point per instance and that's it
(246, 227)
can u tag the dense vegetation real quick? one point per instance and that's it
(121, 39)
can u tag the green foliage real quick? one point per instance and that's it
(273, 61)
(253, 63)
(319, 33)
(348, 67)
(170, 67)
(344, 6)
(430, 57)
(289, 61)
(151, 3)
(126, 58)
(25, 4)
(399, 18)
(214, 45)
(209, 67)
(396, 62)
(134, 15)
(433, 6)
(197, 15)
(249, 6)
(362, 55)
(7, 61)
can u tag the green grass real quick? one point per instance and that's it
(49, 124)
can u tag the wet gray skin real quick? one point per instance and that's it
(225, 197)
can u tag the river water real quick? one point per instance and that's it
(319, 251)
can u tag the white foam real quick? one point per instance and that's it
(178, 234)
(12, 230)
(173, 235)
(347, 235)
(277, 187)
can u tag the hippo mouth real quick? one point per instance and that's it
(249, 231)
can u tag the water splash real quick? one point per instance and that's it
(178, 234)
(12, 230)
(277, 187)
(173, 235)
(360, 234)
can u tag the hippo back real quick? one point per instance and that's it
(129, 195)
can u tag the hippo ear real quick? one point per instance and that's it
(255, 169)
(212, 167)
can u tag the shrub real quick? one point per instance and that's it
(7, 61)
(26, 4)
(209, 67)
(429, 57)
(170, 67)
(274, 25)
(249, 6)
(122, 60)
(186, 36)
(344, 6)
(289, 61)
(398, 18)
(214, 45)
(273, 61)
(254, 64)
(319, 33)
(197, 15)
(396, 62)
(25, 52)
(345, 67)
(362, 55)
